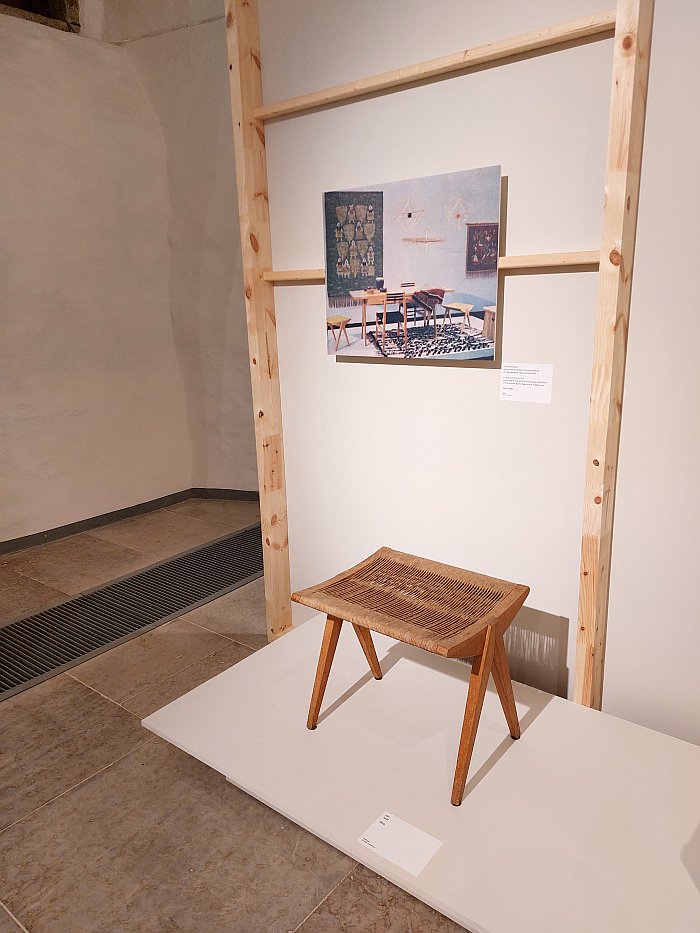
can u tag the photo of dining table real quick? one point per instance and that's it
(375, 297)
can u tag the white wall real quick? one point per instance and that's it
(178, 48)
(184, 72)
(92, 402)
(125, 369)
(124, 20)
(427, 459)
(653, 653)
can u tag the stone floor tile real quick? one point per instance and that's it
(76, 563)
(160, 842)
(237, 614)
(53, 736)
(251, 640)
(159, 534)
(133, 667)
(164, 692)
(21, 595)
(229, 513)
(7, 924)
(366, 903)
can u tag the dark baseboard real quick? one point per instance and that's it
(198, 492)
(87, 524)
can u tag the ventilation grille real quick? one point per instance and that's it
(55, 639)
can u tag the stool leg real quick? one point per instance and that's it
(343, 329)
(325, 659)
(481, 668)
(504, 685)
(340, 334)
(365, 639)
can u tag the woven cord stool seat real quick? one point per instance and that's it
(442, 609)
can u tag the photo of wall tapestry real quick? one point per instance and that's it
(354, 240)
(412, 268)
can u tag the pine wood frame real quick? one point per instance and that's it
(630, 25)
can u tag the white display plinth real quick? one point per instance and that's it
(587, 823)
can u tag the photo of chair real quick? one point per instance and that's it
(384, 316)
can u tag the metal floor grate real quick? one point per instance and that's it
(38, 646)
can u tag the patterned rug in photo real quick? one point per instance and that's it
(451, 341)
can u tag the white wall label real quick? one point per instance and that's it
(399, 842)
(527, 382)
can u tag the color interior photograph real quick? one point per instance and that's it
(410, 273)
(290, 643)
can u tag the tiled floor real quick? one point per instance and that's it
(105, 829)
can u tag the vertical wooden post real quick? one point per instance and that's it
(625, 138)
(251, 178)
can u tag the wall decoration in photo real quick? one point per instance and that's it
(354, 240)
(482, 247)
(412, 268)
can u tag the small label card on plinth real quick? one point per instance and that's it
(399, 842)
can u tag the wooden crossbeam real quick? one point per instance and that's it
(251, 178)
(624, 161)
(551, 262)
(551, 38)
(538, 262)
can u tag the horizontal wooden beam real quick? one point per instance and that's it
(556, 262)
(598, 26)
(293, 276)
(538, 262)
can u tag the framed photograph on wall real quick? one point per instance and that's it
(410, 273)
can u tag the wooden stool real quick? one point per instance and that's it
(458, 306)
(451, 612)
(489, 329)
(338, 321)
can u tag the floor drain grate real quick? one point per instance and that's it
(38, 646)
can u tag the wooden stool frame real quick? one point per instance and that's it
(446, 619)
(630, 25)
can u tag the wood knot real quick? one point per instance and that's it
(267, 541)
(597, 500)
(229, 19)
(255, 362)
(615, 257)
(585, 573)
(627, 43)
(261, 414)
(249, 292)
(596, 463)
(274, 520)
(254, 242)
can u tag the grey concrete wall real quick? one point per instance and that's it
(179, 50)
(123, 20)
(124, 350)
(92, 401)
(184, 72)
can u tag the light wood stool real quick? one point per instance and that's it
(489, 330)
(461, 307)
(338, 321)
(442, 609)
